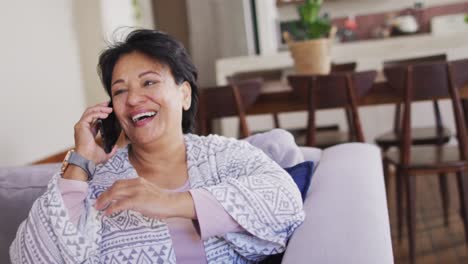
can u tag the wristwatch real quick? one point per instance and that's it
(75, 158)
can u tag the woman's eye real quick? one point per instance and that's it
(117, 92)
(149, 83)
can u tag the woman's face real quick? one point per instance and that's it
(147, 100)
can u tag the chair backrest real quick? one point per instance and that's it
(459, 70)
(343, 67)
(415, 60)
(266, 75)
(459, 80)
(427, 82)
(332, 91)
(398, 84)
(226, 101)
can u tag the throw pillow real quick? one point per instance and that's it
(302, 175)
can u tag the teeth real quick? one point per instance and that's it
(135, 118)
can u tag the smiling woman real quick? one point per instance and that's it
(168, 195)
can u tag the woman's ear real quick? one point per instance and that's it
(186, 95)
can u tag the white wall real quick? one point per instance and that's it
(87, 17)
(41, 88)
(49, 52)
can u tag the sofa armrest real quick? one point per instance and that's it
(19, 188)
(346, 211)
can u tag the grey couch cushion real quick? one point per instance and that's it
(19, 187)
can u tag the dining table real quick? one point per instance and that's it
(285, 100)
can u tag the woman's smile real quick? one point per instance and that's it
(142, 117)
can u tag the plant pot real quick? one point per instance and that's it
(311, 56)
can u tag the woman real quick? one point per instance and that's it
(169, 195)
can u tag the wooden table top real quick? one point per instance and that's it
(285, 101)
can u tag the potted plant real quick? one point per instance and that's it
(310, 41)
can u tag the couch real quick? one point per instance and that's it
(347, 217)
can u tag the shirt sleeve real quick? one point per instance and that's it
(213, 220)
(49, 236)
(73, 194)
(259, 195)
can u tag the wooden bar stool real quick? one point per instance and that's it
(426, 82)
(332, 91)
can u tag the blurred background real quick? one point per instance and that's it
(49, 52)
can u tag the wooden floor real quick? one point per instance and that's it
(435, 243)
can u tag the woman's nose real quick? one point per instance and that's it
(135, 97)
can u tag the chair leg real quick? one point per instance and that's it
(399, 200)
(462, 182)
(444, 196)
(386, 171)
(411, 215)
(276, 121)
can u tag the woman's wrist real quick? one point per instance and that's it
(183, 205)
(73, 172)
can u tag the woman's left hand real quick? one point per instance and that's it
(145, 197)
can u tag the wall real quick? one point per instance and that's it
(87, 20)
(98, 23)
(171, 17)
(41, 86)
(217, 30)
(49, 54)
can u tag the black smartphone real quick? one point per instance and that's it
(110, 130)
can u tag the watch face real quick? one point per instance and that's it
(65, 161)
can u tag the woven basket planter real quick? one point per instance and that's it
(311, 56)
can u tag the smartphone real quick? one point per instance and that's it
(110, 130)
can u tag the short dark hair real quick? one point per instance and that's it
(159, 46)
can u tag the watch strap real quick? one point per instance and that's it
(87, 165)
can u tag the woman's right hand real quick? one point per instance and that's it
(85, 133)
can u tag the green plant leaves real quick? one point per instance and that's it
(313, 26)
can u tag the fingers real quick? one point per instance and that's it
(120, 205)
(93, 113)
(119, 190)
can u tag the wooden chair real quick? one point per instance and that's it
(225, 101)
(343, 67)
(423, 135)
(426, 82)
(266, 76)
(335, 68)
(433, 135)
(459, 70)
(332, 91)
